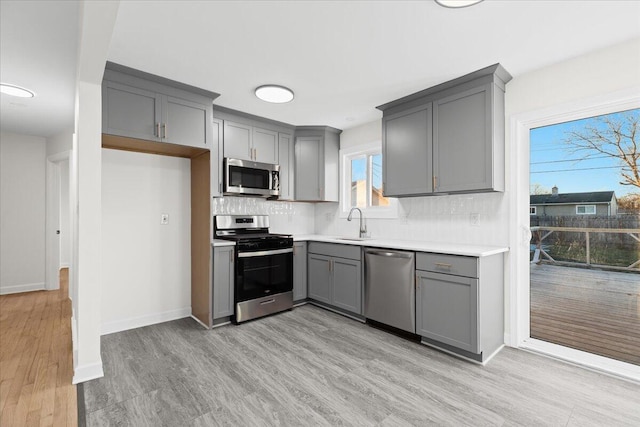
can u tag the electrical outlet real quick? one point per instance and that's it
(474, 219)
(164, 219)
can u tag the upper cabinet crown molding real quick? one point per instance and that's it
(448, 138)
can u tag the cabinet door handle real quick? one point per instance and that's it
(255, 154)
(158, 130)
(164, 127)
(443, 265)
(435, 182)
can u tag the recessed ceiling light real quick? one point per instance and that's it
(456, 4)
(14, 90)
(274, 93)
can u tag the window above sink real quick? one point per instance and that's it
(361, 182)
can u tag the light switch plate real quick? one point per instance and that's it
(164, 219)
(474, 219)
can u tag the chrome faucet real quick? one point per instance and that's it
(363, 228)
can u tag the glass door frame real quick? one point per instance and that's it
(518, 314)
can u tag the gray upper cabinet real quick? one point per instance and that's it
(189, 121)
(246, 142)
(308, 155)
(455, 132)
(237, 141)
(216, 158)
(129, 111)
(410, 142)
(143, 106)
(286, 161)
(223, 273)
(463, 149)
(265, 146)
(317, 164)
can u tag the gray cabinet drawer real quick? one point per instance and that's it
(448, 264)
(335, 250)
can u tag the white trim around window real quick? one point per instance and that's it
(585, 209)
(533, 210)
(346, 155)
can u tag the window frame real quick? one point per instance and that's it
(585, 210)
(533, 210)
(348, 154)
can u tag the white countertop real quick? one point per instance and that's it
(410, 245)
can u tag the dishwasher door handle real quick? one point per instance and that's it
(390, 254)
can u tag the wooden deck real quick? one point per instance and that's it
(589, 310)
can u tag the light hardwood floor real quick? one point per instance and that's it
(312, 367)
(35, 359)
(589, 310)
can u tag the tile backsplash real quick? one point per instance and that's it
(284, 217)
(480, 219)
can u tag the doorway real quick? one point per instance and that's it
(521, 254)
(585, 221)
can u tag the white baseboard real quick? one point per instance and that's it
(146, 320)
(87, 372)
(16, 289)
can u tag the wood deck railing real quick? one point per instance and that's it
(538, 238)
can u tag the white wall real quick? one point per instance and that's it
(60, 143)
(436, 218)
(97, 20)
(146, 266)
(22, 212)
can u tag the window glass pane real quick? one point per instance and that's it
(377, 199)
(359, 182)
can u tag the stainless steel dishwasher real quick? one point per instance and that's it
(390, 292)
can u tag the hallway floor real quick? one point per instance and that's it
(36, 367)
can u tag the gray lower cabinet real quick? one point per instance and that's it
(319, 277)
(142, 108)
(299, 271)
(447, 309)
(460, 303)
(317, 164)
(223, 283)
(335, 275)
(448, 138)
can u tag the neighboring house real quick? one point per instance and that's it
(597, 203)
(359, 194)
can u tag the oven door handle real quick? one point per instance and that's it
(264, 253)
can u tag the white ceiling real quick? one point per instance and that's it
(340, 58)
(38, 50)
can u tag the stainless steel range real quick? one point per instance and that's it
(264, 265)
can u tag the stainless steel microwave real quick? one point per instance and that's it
(247, 178)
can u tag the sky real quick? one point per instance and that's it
(553, 163)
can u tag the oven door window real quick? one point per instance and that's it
(249, 177)
(263, 276)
